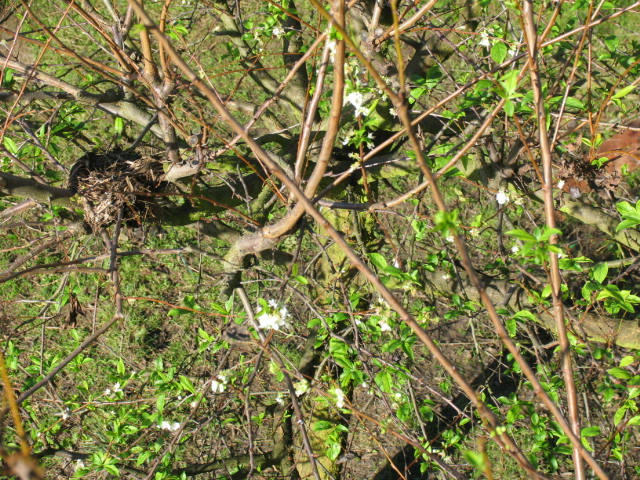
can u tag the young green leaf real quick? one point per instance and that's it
(499, 52)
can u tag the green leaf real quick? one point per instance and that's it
(160, 401)
(378, 260)
(120, 367)
(619, 373)
(574, 103)
(333, 451)
(476, 459)
(186, 384)
(599, 272)
(611, 42)
(511, 326)
(509, 108)
(524, 315)
(136, 29)
(590, 431)
(384, 380)
(623, 92)
(112, 469)
(10, 145)
(626, 361)
(499, 52)
(274, 369)
(118, 125)
(634, 420)
(509, 82)
(143, 457)
(619, 415)
(521, 235)
(629, 213)
(321, 425)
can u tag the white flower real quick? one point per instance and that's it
(78, 465)
(560, 184)
(301, 387)
(502, 197)
(357, 100)
(279, 400)
(171, 427)
(218, 384)
(268, 321)
(382, 303)
(274, 320)
(484, 39)
(331, 45)
(115, 389)
(515, 249)
(339, 397)
(277, 32)
(449, 238)
(384, 326)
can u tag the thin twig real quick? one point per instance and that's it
(549, 211)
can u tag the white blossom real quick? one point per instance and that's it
(274, 320)
(357, 100)
(301, 387)
(339, 397)
(515, 249)
(78, 465)
(484, 39)
(277, 31)
(279, 399)
(331, 45)
(561, 184)
(169, 426)
(65, 414)
(384, 326)
(502, 197)
(382, 303)
(218, 384)
(115, 389)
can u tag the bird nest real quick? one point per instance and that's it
(117, 185)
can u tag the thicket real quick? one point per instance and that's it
(344, 240)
